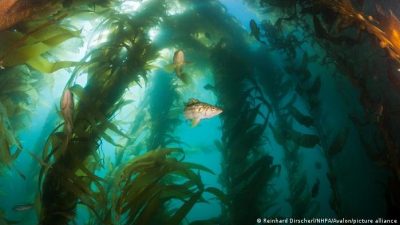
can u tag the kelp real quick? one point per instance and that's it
(297, 87)
(162, 98)
(302, 205)
(300, 117)
(19, 89)
(338, 142)
(247, 170)
(29, 44)
(33, 42)
(283, 135)
(143, 188)
(111, 68)
(333, 21)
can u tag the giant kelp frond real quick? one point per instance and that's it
(18, 93)
(111, 67)
(14, 11)
(301, 201)
(162, 98)
(32, 41)
(147, 188)
(247, 170)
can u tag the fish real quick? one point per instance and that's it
(23, 207)
(255, 31)
(315, 188)
(209, 87)
(196, 111)
(67, 111)
(179, 62)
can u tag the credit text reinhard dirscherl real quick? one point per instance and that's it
(325, 221)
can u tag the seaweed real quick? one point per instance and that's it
(162, 99)
(338, 142)
(32, 41)
(112, 68)
(300, 117)
(145, 186)
(19, 89)
(141, 190)
(247, 170)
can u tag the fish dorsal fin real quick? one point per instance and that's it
(193, 101)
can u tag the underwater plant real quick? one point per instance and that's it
(286, 89)
(284, 133)
(112, 68)
(147, 188)
(25, 53)
(162, 100)
(332, 25)
(247, 171)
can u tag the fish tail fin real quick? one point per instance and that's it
(195, 122)
(170, 68)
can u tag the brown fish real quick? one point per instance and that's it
(179, 62)
(196, 111)
(67, 110)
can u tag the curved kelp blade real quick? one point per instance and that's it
(219, 194)
(304, 140)
(300, 117)
(184, 209)
(338, 142)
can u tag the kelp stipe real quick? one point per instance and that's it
(163, 101)
(24, 52)
(151, 181)
(247, 171)
(111, 69)
(333, 25)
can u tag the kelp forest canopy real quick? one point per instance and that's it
(293, 109)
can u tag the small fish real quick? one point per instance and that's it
(196, 111)
(22, 207)
(255, 31)
(209, 87)
(315, 189)
(67, 110)
(179, 62)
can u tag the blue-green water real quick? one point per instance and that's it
(308, 128)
